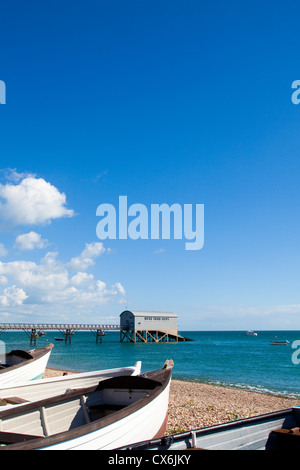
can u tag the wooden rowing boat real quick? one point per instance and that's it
(19, 366)
(46, 388)
(273, 431)
(116, 412)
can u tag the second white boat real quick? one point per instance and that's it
(46, 388)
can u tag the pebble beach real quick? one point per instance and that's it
(195, 405)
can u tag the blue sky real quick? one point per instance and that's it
(164, 102)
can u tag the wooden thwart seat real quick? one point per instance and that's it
(13, 437)
(14, 400)
(287, 438)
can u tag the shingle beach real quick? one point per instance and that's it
(195, 405)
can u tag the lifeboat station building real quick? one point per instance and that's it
(148, 327)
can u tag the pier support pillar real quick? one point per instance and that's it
(99, 336)
(33, 337)
(149, 336)
(68, 335)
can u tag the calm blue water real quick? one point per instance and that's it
(227, 358)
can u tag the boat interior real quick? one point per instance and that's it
(73, 409)
(13, 358)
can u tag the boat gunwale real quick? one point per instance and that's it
(73, 376)
(44, 442)
(165, 442)
(36, 354)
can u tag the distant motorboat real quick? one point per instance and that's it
(279, 342)
(251, 333)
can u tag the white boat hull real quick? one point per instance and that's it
(142, 425)
(116, 412)
(30, 370)
(45, 388)
(278, 430)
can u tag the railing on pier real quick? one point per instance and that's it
(34, 330)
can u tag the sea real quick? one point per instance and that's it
(229, 358)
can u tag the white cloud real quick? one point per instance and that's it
(12, 296)
(11, 174)
(32, 201)
(3, 251)
(50, 285)
(244, 317)
(30, 241)
(81, 278)
(119, 288)
(36, 279)
(3, 280)
(159, 251)
(87, 257)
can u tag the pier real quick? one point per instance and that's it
(34, 330)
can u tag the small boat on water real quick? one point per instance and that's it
(19, 366)
(273, 431)
(251, 333)
(46, 388)
(279, 342)
(114, 413)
